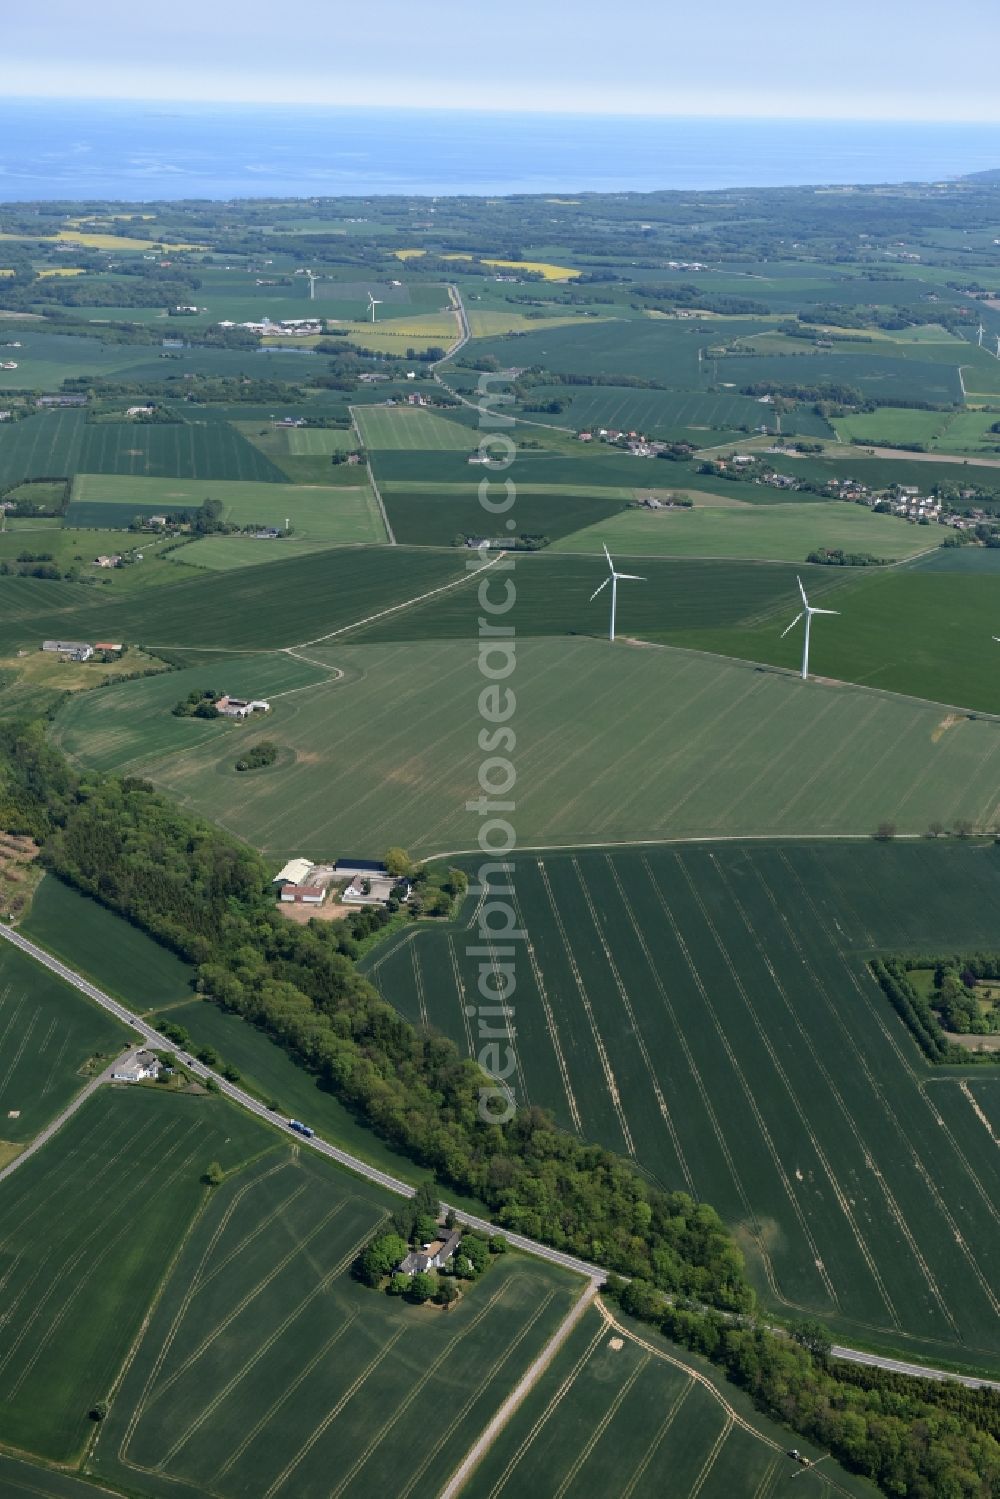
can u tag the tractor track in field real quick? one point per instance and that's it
(594, 1274)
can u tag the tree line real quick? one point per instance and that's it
(911, 1437)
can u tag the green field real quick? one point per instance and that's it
(939, 431)
(320, 442)
(316, 513)
(436, 515)
(19, 1478)
(683, 745)
(89, 1225)
(278, 604)
(266, 1369)
(413, 428)
(643, 1420)
(49, 1037)
(654, 350)
(270, 1072)
(223, 554)
(694, 415)
(887, 425)
(708, 1012)
(786, 533)
(112, 953)
(46, 446)
(924, 631)
(173, 451)
(887, 376)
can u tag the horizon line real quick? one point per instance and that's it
(152, 103)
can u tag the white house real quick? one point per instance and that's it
(136, 1067)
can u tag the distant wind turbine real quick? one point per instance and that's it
(311, 277)
(613, 578)
(375, 302)
(807, 611)
(981, 330)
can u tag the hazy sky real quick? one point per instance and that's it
(908, 59)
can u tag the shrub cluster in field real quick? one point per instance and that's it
(264, 753)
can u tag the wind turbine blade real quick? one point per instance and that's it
(791, 626)
(824, 611)
(597, 590)
(607, 554)
(632, 577)
(803, 592)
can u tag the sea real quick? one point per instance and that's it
(133, 151)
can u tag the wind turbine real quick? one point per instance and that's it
(807, 611)
(375, 302)
(613, 578)
(311, 277)
(981, 330)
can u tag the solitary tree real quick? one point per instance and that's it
(885, 832)
(214, 1175)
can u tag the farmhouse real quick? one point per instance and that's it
(371, 890)
(433, 1256)
(107, 561)
(137, 1067)
(74, 650)
(241, 707)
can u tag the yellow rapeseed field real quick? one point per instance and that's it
(541, 267)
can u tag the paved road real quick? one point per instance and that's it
(151, 1037)
(465, 332)
(920, 1371)
(67, 1113)
(595, 1273)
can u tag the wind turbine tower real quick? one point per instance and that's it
(376, 302)
(981, 331)
(310, 275)
(613, 578)
(807, 611)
